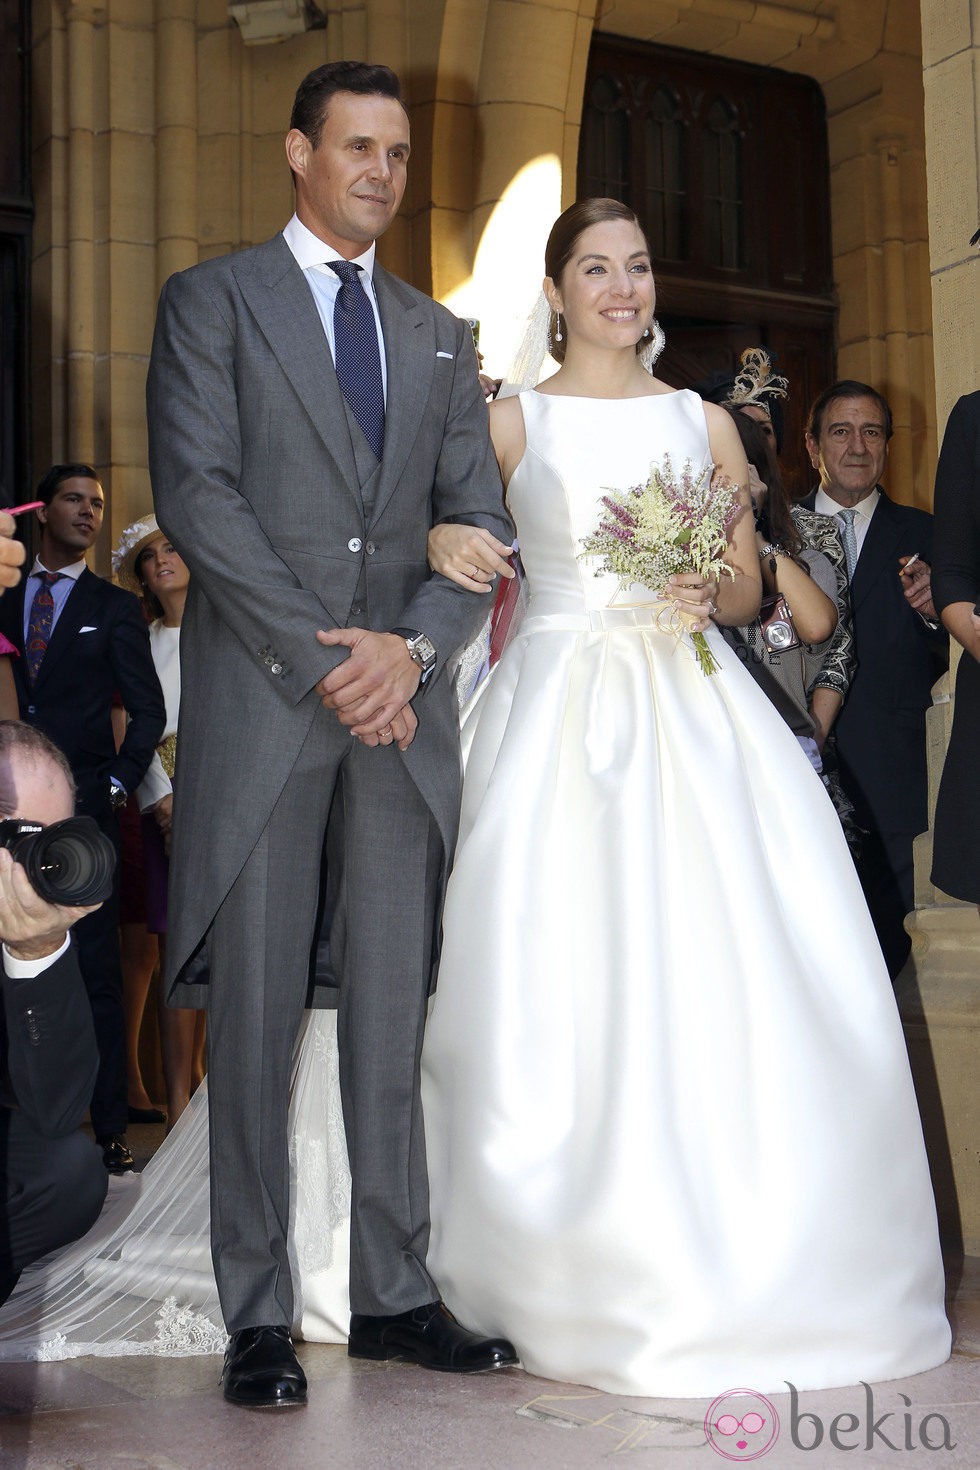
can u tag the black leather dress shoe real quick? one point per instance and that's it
(261, 1370)
(115, 1154)
(431, 1337)
(146, 1115)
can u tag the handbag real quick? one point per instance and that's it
(776, 624)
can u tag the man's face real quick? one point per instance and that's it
(72, 521)
(34, 789)
(852, 449)
(349, 187)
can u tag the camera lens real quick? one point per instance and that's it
(779, 636)
(70, 862)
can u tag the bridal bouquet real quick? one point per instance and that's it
(668, 525)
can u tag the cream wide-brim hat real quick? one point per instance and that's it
(131, 543)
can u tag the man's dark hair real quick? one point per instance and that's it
(34, 746)
(846, 388)
(315, 90)
(58, 474)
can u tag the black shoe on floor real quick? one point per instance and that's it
(147, 1115)
(431, 1337)
(261, 1370)
(115, 1154)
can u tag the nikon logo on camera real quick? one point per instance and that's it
(70, 862)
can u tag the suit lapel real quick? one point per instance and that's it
(282, 304)
(879, 554)
(410, 355)
(80, 610)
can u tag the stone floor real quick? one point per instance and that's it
(158, 1414)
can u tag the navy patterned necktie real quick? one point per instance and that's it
(356, 354)
(846, 518)
(40, 622)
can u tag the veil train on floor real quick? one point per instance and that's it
(141, 1280)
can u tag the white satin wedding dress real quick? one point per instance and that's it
(672, 1136)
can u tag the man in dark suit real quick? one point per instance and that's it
(310, 418)
(52, 1183)
(879, 730)
(82, 641)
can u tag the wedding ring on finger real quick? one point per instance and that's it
(385, 732)
(712, 607)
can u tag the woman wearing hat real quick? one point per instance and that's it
(145, 563)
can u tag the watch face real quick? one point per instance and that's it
(423, 650)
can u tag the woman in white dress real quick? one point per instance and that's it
(673, 1142)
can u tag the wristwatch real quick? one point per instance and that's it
(421, 650)
(118, 795)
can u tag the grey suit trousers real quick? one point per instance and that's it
(385, 852)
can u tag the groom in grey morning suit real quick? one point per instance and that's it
(317, 714)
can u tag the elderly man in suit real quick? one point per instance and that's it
(52, 1183)
(879, 728)
(83, 641)
(310, 418)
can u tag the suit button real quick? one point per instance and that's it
(276, 668)
(31, 709)
(354, 544)
(370, 548)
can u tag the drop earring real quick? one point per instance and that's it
(558, 336)
(650, 351)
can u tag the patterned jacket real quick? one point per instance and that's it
(836, 667)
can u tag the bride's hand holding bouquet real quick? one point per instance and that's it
(672, 535)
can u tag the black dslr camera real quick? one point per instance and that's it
(71, 862)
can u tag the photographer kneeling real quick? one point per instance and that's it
(52, 1180)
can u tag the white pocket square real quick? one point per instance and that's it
(89, 628)
(450, 355)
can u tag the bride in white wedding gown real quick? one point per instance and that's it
(672, 1139)
(673, 1142)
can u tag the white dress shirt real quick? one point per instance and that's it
(16, 969)
(311, 255)
(863, 512)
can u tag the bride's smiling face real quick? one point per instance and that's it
(606, 293)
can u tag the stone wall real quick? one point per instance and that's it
(158, 141)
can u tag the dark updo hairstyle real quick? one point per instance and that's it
(566, 232)
(774, 517)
